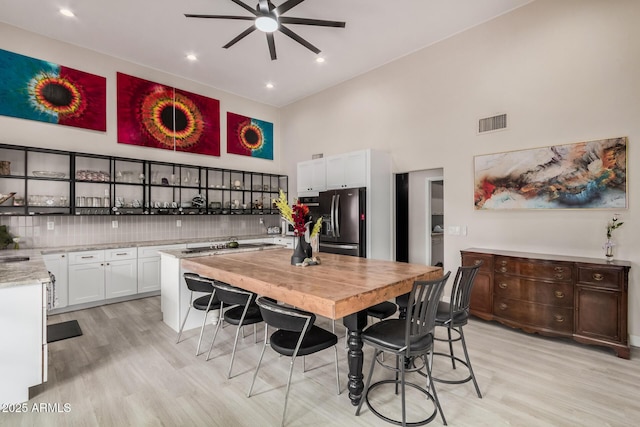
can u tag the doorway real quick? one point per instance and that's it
(418, 214)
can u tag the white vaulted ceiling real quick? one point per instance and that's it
(156, 34)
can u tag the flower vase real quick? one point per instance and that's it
(298, 253)
(306, 247)
(608, 248)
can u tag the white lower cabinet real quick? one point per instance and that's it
(121, 272)
(96, 275)
(149, 266)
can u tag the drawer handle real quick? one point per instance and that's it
(87, 257)
(558, 269)
(477, 262)
(558, 276)
(503, 269)
(122, 253)
(502, 286)
(597, 276)
(503, 306)
(503, 262)
(559, 294)
(559, 318)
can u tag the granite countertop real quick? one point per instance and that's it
(21, 273)
(95, 247)
(34, 270)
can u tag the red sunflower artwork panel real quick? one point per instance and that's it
(158, 116)
(249, 137)
(44, 91)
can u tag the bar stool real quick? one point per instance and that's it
(410, 338)
(296, 335)
(241, 311)
(206, 303)
(454, 315)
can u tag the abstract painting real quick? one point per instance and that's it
(154, 115)
(589, 174)
(39, 90)
(249, 137)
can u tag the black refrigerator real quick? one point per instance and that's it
(343, 222)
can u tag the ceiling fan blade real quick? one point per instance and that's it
(245, 6)
(305, 21)
(299, 39)
(263, 6)
(240, 36)
(287, 6)
(272, 46)
(244, 18)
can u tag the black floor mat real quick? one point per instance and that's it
(62, 331)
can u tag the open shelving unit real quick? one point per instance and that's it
(47, 182)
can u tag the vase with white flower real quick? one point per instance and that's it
(608, 246)
(303, 226)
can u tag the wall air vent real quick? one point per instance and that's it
(492, 124)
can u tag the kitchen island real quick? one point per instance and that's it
(23, 324)
(340, 287)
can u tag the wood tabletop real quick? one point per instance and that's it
(339, 286)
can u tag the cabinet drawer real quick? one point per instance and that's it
(85, 257)
(471, 259)
(602, 277)
(558, 319)
(558, 294)
(122, 253)
(534, 269)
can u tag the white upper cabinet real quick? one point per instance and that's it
(311, 177)
(347, 170)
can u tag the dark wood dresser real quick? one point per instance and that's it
(580, 298)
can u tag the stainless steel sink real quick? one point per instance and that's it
(13, 259)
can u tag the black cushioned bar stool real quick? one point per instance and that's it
(206, 303)
(453, 315)
(407, 339)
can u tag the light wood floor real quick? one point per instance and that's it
(127, 370)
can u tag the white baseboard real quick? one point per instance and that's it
(634, 340)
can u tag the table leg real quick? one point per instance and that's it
(355, 323)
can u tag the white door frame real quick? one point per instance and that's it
(427, 211)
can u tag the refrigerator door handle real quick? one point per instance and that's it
(337, 215)
(333, 221)
(338, 246)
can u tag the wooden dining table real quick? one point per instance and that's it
(339, 287)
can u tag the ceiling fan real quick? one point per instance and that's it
(268, 18)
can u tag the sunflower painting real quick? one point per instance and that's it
(154, 115)
(249, 137)
(40, 90)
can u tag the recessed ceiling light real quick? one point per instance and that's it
(67, 12)
(192, 57)
(269, 85)
(319, 60)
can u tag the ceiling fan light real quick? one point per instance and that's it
(266, 24)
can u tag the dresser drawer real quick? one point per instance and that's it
(470, 259)
(600, 276)
(559, 294)
(558, 319)
(534, 269)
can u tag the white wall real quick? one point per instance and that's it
(564, 71)
(33, 133)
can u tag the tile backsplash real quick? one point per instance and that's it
(55, 231)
